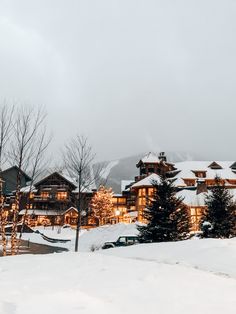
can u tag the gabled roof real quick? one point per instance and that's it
(214, 165)
(148, 181)
(187, 169)
(125, 184)
(27, 189)
(66, 178)
(69, 209)
(17, 169)
(149, 158)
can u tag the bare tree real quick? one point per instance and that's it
(6, 113)
(28, 123)
(79, 159)
(38, 163)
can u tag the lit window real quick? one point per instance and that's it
(121, 200)
(61, 195)
(142, 201)
(45, 195)
(150, 192)
(114, 200)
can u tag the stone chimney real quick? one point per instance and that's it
(162, 156)
(201, 186)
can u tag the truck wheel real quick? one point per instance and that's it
(108, 246)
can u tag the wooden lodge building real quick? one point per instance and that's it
(53, 200)
(193, 179)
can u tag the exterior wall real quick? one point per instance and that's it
(120, 208)
(54, 193)
(143, 199)
(9, 177)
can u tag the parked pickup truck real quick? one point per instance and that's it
(121, 241)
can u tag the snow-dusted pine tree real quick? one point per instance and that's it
(167, 216)
(102, 206)
(221, 212)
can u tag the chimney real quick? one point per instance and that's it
(201, 186)
(162, 156)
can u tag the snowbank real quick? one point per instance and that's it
(89, 239)
(213, 255)
(99, 283)
(94, 238)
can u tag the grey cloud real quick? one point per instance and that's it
(130, 74)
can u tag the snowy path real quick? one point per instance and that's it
(92, 282)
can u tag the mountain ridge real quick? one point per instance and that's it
(125, 168)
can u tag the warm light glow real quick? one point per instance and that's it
(44, 195)
(61, 195)
(117, 212)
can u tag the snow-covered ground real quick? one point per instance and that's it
(194, 276)
(89, 239)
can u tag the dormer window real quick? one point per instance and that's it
(200, 174)
(189, 182)
(214, 165)
(233, 166)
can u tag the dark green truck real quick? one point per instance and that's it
(121, 241)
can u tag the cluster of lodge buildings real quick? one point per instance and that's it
(52, 201)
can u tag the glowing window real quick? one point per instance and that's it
(61, 195)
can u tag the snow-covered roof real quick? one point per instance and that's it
(68, 178)
(191, 198)
(27, 189)
(41, 212)
(150, 158)
(179, 182)
(61, 174)
(125, 183)
(148, 181)
(187, 169)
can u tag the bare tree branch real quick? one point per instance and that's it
(6, 114)
(28, 123)
(38, 165)
(78, 160)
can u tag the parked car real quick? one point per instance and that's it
(121, 241)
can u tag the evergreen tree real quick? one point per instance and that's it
(167, 216)
(220, 213)
(102, 205)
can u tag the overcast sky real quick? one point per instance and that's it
(132, 75)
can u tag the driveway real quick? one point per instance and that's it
(34, 248)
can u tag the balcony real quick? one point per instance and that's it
(50, 198)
